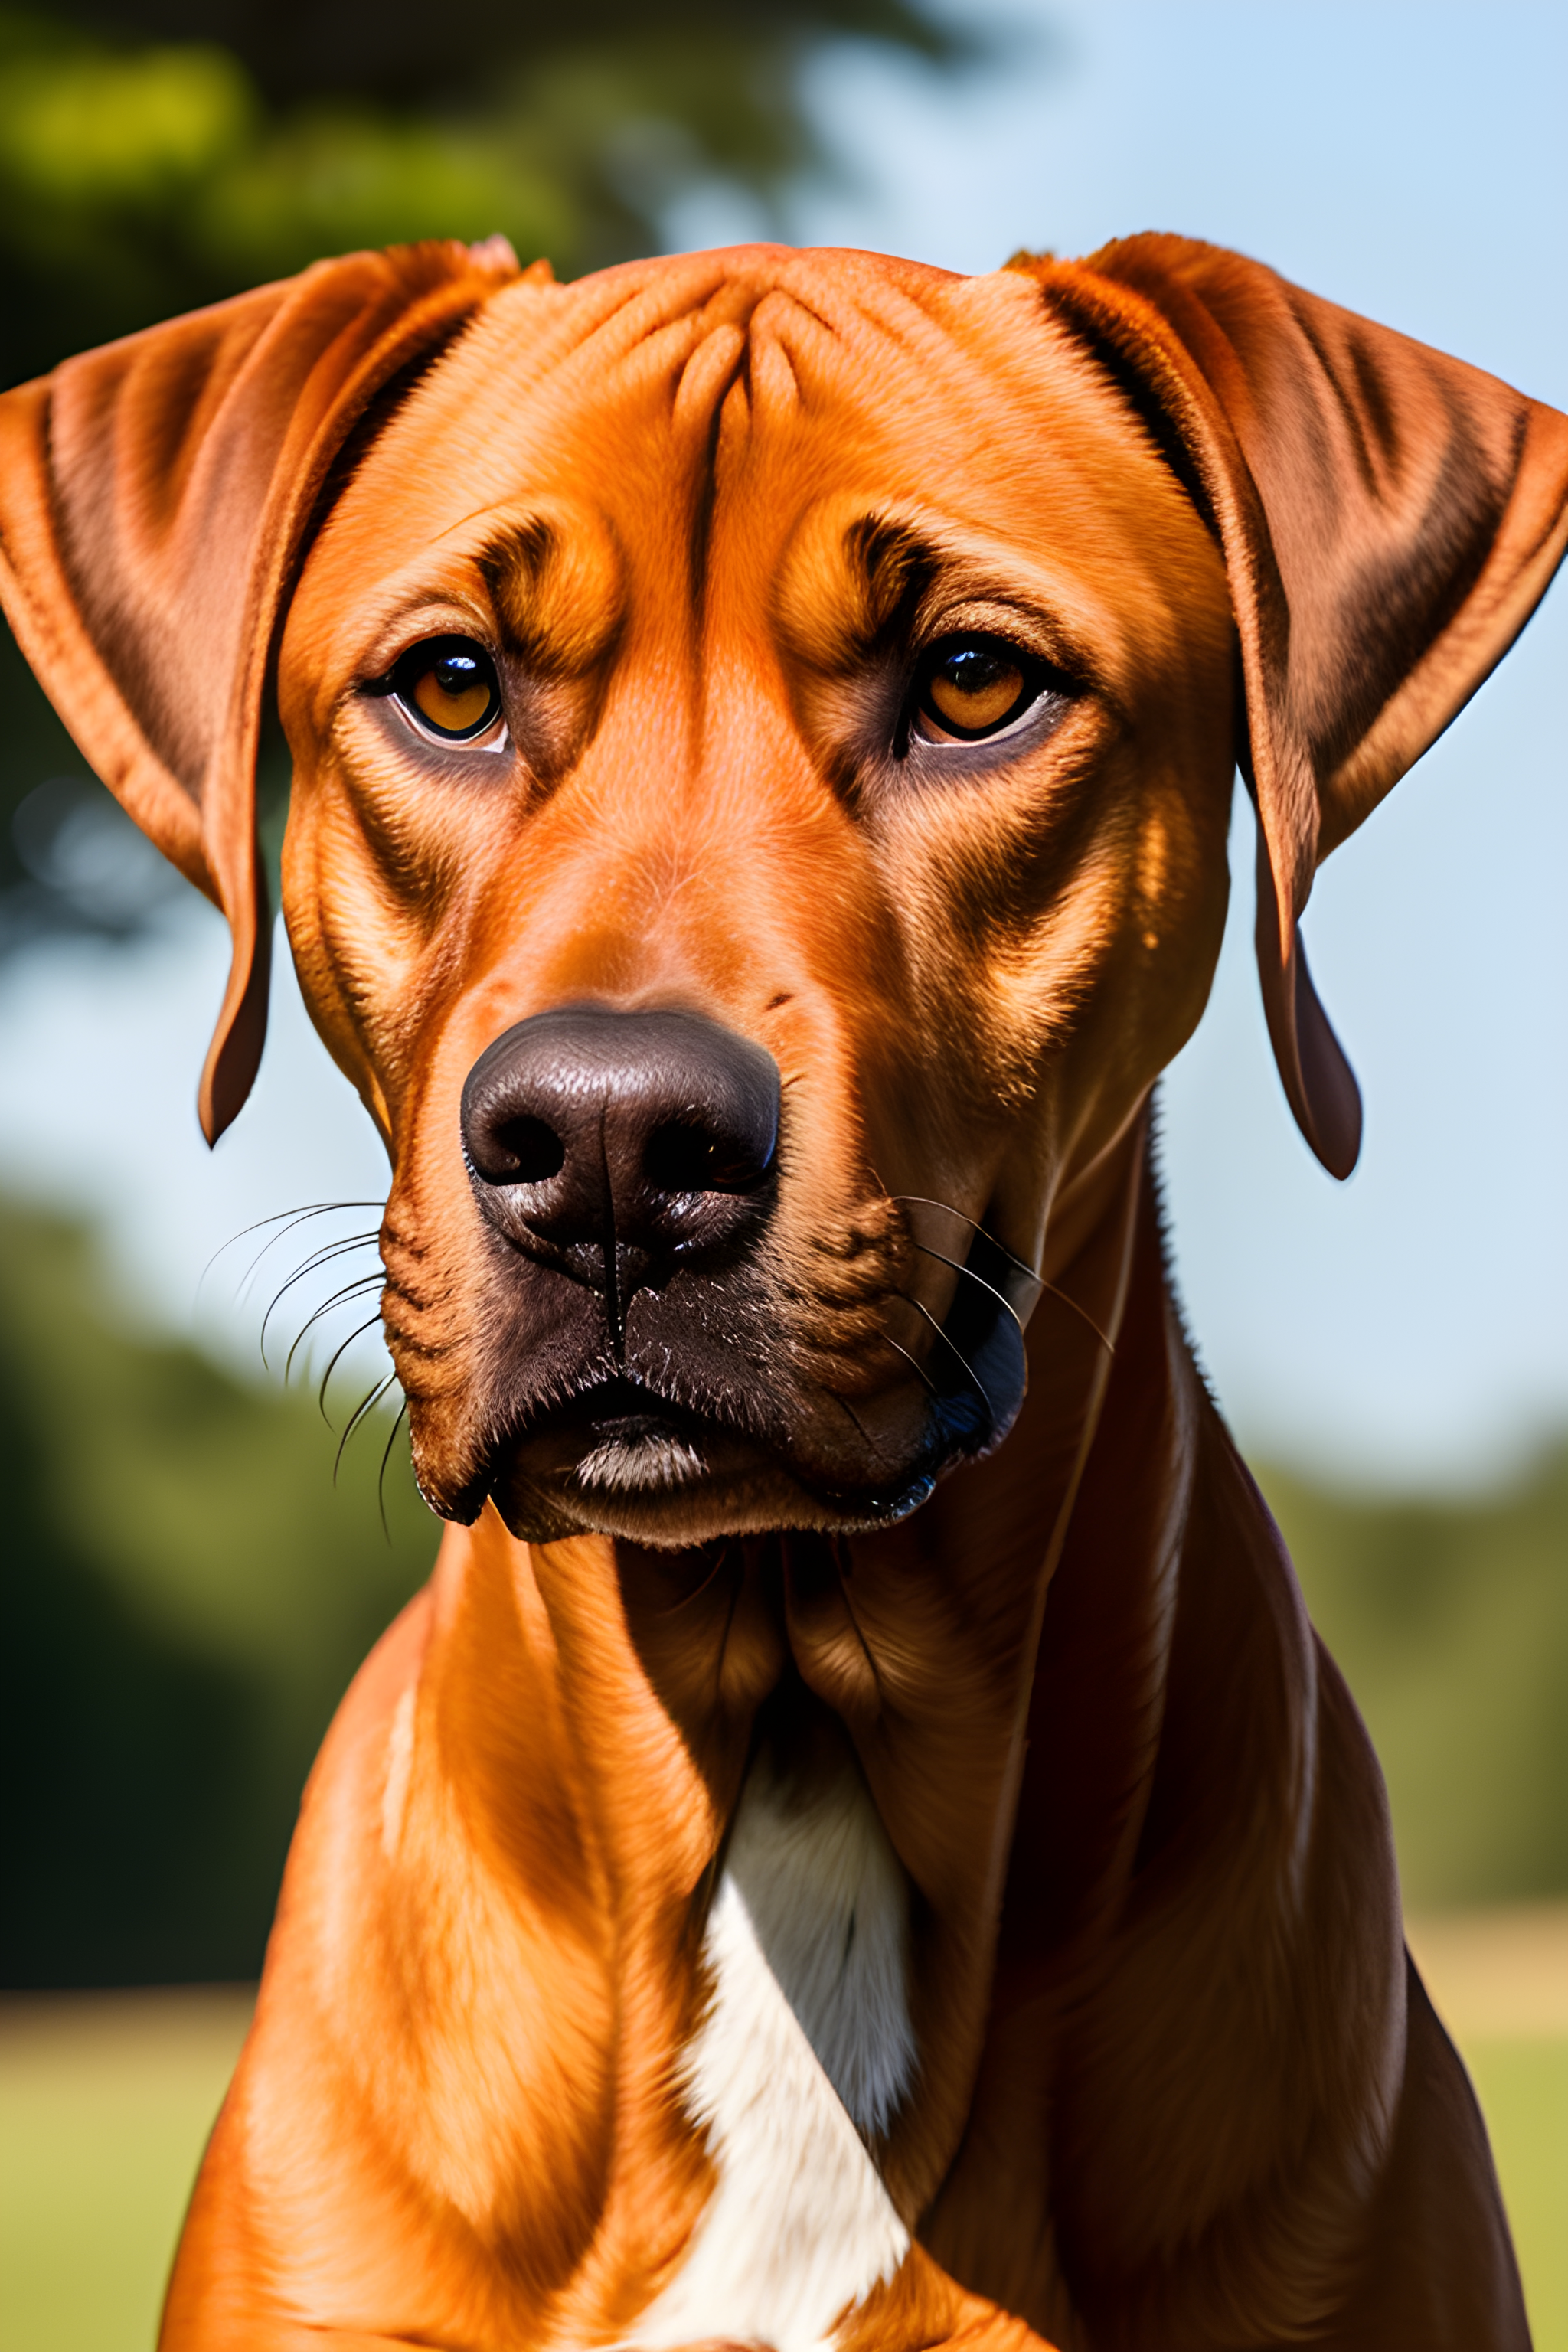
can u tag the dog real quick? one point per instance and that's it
(857, 1843)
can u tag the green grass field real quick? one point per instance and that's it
(1524, 2088)
(105, 2101)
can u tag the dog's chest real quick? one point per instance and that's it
(807, 2038)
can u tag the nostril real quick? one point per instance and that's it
(681, 1156)
(522, 1150)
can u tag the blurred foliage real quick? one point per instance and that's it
(184, 1596)
(158, 154)
(1450, 1622)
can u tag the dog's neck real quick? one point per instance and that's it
(1175, 1925)
(587, 1719)
(906, 1656)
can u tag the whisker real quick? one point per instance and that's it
(322, 1256)
(698, 1589)
(876, 1452)
(367, 1404)
(330, 1250)
(286, 1219)
(1082, 1313)
(312, 1265)
(924, 1201)
(381, 1474)
(969, 1371)
(366, 1282)
(296, 1216)
(338, 1354)
(941, 1255)
(914, 1364)
(847, 1409)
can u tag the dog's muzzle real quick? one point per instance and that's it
(627, 1166)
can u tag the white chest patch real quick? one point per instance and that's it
(808, 2028)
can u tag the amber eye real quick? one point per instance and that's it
(449, 686)
(973, 686)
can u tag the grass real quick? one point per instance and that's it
(1499, 1980)
(106, 2101)
(1523, 2090)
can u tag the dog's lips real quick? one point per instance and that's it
(639, 1453)
(618, 1447)
(619, 1459)
(619, 1436)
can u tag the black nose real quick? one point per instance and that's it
(609, 1143)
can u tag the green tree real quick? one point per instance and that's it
(157, 154)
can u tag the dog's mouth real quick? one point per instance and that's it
(639, 1455)
(619, 1438)
(683, 1443)
(618, 1460)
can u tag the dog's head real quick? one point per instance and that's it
(763, 730)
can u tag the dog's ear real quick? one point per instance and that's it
(154, 497)
(1389, 518)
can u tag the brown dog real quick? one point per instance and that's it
(763, 728)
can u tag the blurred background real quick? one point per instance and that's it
(185, 1589)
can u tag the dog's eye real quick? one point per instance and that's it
(972, 687)
(449, 686)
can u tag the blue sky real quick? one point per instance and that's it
(1412, 1325)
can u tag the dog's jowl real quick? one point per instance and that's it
(857, 1843)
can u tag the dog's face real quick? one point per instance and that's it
(763, 736)
(763, 728)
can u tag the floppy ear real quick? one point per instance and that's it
(1389, 518)
(154, 497)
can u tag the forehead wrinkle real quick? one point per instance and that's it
(705, 377)
(624, 305)
(832, 275)
(962, 408)
(538, 359)
(825, 330)
(570, 353)
(675, 309)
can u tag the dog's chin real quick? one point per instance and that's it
(670, 1483)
